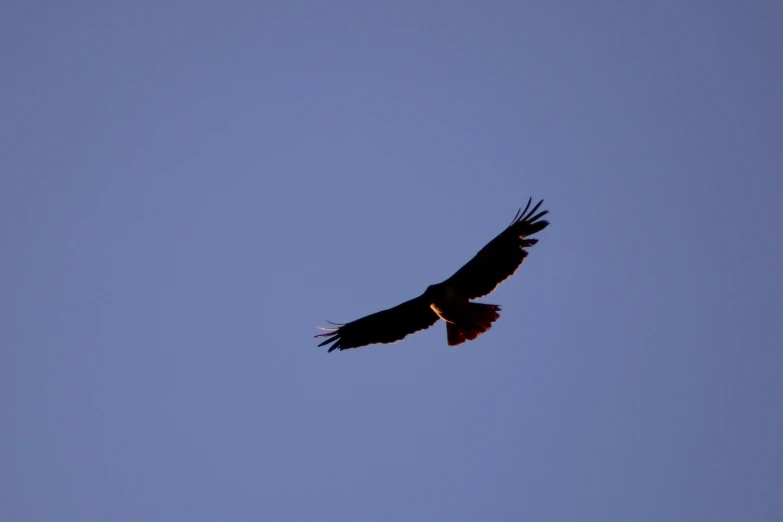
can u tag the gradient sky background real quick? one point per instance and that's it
(188, 189)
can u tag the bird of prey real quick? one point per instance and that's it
(449, 300)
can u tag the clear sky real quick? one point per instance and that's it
(188, 189)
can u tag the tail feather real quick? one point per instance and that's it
(479, 319)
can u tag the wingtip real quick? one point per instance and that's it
(526, 214)
(329, 340)
(537, 216)
(532, 211)
(520, 212)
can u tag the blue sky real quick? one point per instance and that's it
(190, 188)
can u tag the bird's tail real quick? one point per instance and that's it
(478, 320)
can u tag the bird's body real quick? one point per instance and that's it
(447, 303)
(449, 300)
(464, 320)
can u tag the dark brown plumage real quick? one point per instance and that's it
(449, 300)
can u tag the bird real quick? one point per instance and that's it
(451, 299)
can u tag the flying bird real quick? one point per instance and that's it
(449, 300)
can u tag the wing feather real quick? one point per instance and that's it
(386, 326)
(501, 257)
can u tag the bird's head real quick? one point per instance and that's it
(434, 292)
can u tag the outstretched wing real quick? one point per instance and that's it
(386, 326)
(500, 257)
